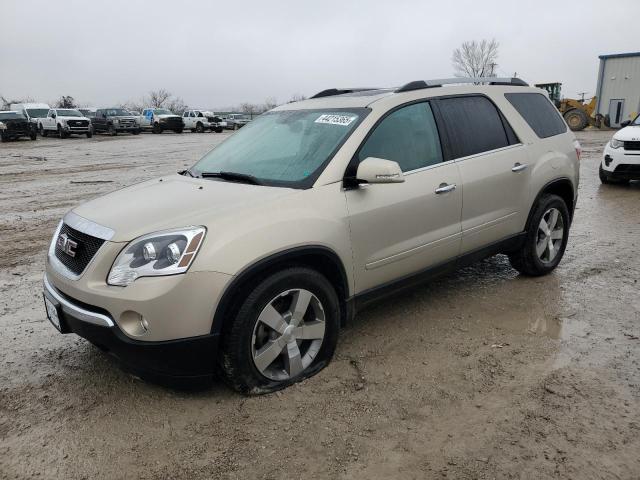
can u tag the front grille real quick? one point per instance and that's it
(625, 168)
(127, 123)
(78, 123)
(632, 145)
(174, 122)
(84, 251)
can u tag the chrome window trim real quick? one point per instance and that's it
(488, 152)
(78, 312)
(84, 225)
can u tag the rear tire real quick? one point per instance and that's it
(576, 119)
(43, 132)
(179, 130)
(156, 128)
(294, 358)
(545, 240)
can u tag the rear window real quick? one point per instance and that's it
(538, 112)
(474, 125)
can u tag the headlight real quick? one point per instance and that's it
(2, 126)
(168, 252)
(613, 143)
(116, 120)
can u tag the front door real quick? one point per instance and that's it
(402, 228)
(616, 112)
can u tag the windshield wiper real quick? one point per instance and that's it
(232, 177)
(186, 172)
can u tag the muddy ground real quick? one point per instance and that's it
(479, 374)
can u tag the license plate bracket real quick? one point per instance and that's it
(53, 313)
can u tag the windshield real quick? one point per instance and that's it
(37, 112)
(11, 116)
(68, 113)
(286, 148)
(117, 112)
(162, 111)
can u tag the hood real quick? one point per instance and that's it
(166, 115)
(62, 117)
(172, 202)
(628, 134)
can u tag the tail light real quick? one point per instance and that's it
(578, 147)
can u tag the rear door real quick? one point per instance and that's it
(493, 167)
(402, 228)
(100, 121)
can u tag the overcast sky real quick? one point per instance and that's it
(222, 53)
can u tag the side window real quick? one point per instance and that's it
(408, 136)
(191, 114)
(473, 125)
(538, 112)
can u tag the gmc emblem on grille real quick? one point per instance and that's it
(67, 245)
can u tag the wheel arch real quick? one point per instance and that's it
(319, 258)
(563, 187)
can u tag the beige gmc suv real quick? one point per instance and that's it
(247, 264)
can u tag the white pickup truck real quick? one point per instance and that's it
(196, 121)
(159, 119)
(64, 122)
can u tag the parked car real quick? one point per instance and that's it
(115, 120)
(64, 122)
(215, 122)
(236, 120)
(621, 157)
(196, 121)
(160, 119)
(14, 125)
(250, 261)
(31, 111)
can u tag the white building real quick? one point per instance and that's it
(618, 88)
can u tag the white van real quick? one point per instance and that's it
(32, 111)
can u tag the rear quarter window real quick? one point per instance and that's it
(536, 109)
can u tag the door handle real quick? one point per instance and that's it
(518, 167)
(446, 188)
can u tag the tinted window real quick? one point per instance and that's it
(408, 136)
(473, 125)
(538, 112)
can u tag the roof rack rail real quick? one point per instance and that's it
(420, 84)
(329, 92)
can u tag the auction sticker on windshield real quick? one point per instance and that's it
(336, 119)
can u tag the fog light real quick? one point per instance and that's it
(607, 160)
(133, 323)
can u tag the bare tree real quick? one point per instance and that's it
(249, 109)
(297, 97)
(65, 102)
(269, 104)
(7, 102)
(157, 98)
(475, 59)
(176, 105)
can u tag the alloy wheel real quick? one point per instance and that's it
(288, 334)
(550, 235)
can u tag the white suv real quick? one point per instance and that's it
(621, 157)
(248, 263)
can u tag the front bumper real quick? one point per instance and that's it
(622, 164)
(178, 363)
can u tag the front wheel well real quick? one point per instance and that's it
(320, 259)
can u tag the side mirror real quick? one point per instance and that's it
(626, 123)
(53, 115)
(378, 170)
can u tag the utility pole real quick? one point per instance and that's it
(582, 94)
(493, 66)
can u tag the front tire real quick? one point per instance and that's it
(89, 133)
(156, 128)
(199, 128)
(178, 130)
(33, 135)
(545, 239)
(112, 131)
(43, 132)
(285, 330)
(576, 119)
